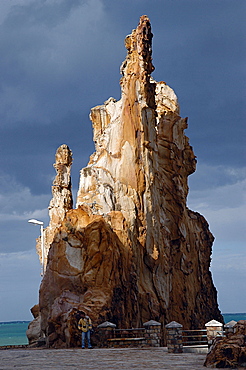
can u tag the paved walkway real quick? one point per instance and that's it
(99, 359)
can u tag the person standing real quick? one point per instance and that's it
(85, 326)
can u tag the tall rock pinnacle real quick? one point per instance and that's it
(131, 251)
(62, 200)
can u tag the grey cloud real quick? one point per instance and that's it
(15, 199)
(48, 13)
(17, 205)
(211, 177)
(224, 207)
(48, 71)
(29, 150)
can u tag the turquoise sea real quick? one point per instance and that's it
(14, 332)
(234, 316)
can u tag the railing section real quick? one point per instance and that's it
(194, 337)
(130, 333)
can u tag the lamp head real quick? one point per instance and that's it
(36, 222)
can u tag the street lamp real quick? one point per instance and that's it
(36, 222)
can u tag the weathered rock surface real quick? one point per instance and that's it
(35, 311)
(34, 332)
(229, 352)
(62, 199)
(131, 251)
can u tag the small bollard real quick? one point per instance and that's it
(152, 333)
(230, 327)
(106, 331)
(174, 337)
(214, 329)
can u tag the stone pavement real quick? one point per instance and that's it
(99, 359)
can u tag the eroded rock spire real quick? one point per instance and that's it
(131, 251)
(62, 200)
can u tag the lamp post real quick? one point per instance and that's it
(36, 222)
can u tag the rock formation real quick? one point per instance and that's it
(131, 251)
(230, 351)
(62, 199)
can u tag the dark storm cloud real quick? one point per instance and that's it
(55, 58)
(207, 69)
(50, 61)
(30, 149)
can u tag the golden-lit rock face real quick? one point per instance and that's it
(131, 251)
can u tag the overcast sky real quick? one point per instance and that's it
(59, 58)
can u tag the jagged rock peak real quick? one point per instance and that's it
(62, 165)
(61, 189)
(139, 48)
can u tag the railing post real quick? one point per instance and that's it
(152, 333)
(105, 331)
(214, 329)
(174, 337)
(230, 327)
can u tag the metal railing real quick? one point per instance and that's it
(194, 337)
(130, 333)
